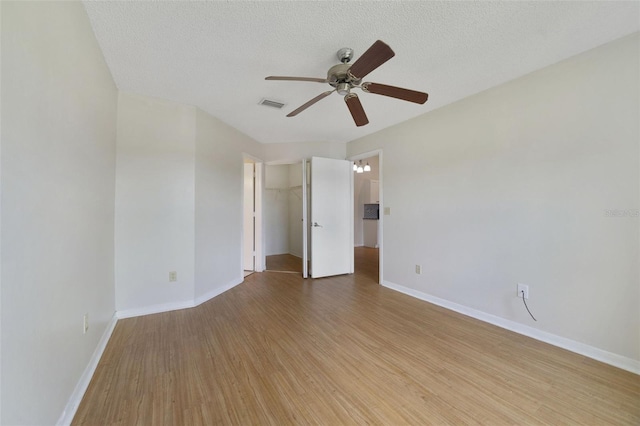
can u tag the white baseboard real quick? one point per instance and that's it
(174, 306)
(217, 291)
(81, 387)
(616, 360)
(154, 309)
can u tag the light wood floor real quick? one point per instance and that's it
(278, 349)
(284, 263)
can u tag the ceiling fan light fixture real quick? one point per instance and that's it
(360, 169)
(355, 167)
(343, 88)
(367, 167)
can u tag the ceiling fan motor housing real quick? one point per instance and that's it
(338, 74)
(345, 55)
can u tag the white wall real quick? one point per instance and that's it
(287, 153)
(276, 176)
(218, 203)
(58, 162)
(178, 204)
(283, 209)
(295, 209)
(512, 185)
(276, 209)
(155, 202)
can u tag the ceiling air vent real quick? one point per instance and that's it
(271, 103)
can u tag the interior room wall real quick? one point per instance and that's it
(155, 197)
(178, 204)
(361, 197)
(58, 141)
(276, 209)
(516, 185)
(288, 153)
(218, 203)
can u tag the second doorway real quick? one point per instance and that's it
(283, 213)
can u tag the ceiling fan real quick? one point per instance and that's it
(345, 77)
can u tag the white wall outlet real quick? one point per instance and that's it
(419, 269)
(387, 211)
(173, 276)
(523, 288)
(85, 324)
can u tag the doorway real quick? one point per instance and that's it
(252, 216)
(308, 210)
(368, 214)
(283, 215)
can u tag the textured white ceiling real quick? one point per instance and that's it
(215, 55)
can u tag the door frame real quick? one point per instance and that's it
(305, 219)
(290, 162)
(362, 156)
(258, 234)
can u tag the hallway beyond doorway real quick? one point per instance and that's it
(366, 262)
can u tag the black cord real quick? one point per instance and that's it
(525, 305)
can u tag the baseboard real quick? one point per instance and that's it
(154, 309)
(174, 306)
(217, 291)
(562, 342)
(81, 387)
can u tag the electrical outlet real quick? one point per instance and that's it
(523, 288)
(173, 276)
(387, 211)
(85, 324)
(419, 269)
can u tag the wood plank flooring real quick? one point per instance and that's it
(279, 350)
(284, 263)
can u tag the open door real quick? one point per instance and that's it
(331, 219)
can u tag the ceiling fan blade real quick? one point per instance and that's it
(308, 104)
(376, 55)
(395, 92)
(316, 80)
(355, 107)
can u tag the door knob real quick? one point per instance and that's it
(315, 225)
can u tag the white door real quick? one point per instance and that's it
(249, 218)
(331, 217)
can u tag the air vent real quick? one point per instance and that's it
(271, 103)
